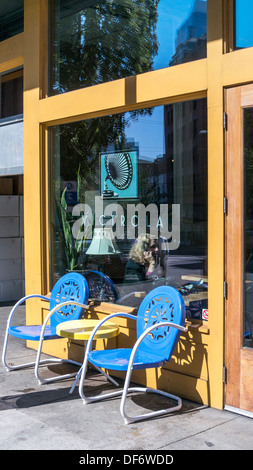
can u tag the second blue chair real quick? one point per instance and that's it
(160, 321)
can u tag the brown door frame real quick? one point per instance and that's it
(238, 359)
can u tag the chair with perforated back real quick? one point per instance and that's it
(160, 321)
(101, 287)
(68, 299)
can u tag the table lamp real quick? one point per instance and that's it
(103, 243)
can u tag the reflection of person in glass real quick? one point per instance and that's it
(142, 259)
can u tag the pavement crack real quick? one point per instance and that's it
(189, 436)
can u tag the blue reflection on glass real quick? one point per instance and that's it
(148, 133)
(181, 31)
(243, 23)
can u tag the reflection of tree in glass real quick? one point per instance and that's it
(82, 142)
(105, 41)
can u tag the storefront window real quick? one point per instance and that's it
(96, 41)
(11, 88)
(243, 23)
(248, 228)
(11, 123)
(11, 18)
(128, 199)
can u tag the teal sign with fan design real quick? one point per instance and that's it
(119, 174)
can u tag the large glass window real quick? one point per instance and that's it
(95, 41)
(11, 123)
(248, 227)
(128, 199)
(11, 18)
(11, 86)
(243, 23)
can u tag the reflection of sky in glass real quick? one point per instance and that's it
(244, 30)
(171, 15)
(148, 132)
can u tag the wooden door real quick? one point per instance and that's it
(239, 250)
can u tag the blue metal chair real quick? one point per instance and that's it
(68, 299)
(102, 288)
(160, 321)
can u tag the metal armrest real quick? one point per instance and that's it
(117, 314)
(140, 339)
(57, 307)
(63, 304)
(151, 328)
(43, 297)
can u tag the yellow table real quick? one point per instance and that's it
(81, 330)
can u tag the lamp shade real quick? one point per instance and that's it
(103, 243)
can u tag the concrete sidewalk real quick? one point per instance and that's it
(46, 417)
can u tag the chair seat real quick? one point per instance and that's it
(32, 332)
(117, 359)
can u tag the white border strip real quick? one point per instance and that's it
(248, 414)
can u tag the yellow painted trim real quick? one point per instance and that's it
(11, 64)
(237, 68)
(44, 9)
(70, 105)
(228, 25)
(12, 53)
(125, 94)
(33, 162)
(215, 202)
(172, 82)
(45, 258)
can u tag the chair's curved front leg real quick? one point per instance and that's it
(4, 352)
(88, 348)
(126, 388)
(42, 334)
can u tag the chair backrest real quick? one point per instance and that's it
(162, 304)
(101, 287)
(72, 286)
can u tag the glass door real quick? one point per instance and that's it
(248, 227)
(239, 249)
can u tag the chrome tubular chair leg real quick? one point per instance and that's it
(108, 377)
(128, 419)
(132, 419)
(54, 360)
(7, 366)
(97, 368)
(86, 399)
(126, 390)
(85, 364)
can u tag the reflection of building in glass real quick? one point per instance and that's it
(185, 128)
(179, 176)
(191, 36)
